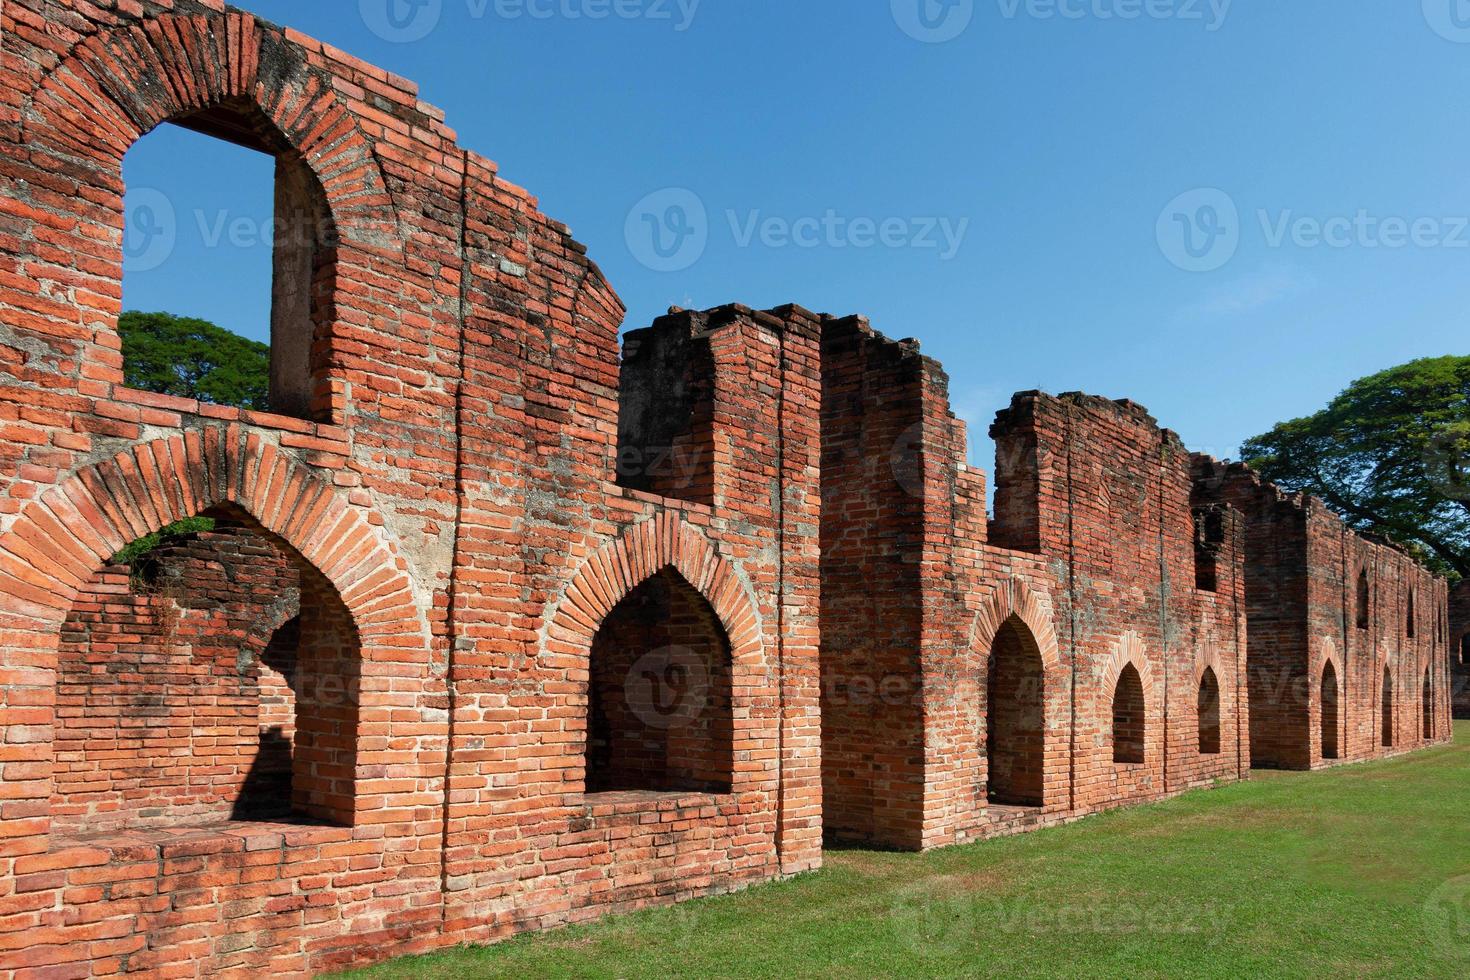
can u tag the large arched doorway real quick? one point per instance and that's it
(1328, 721)
(1386, 735)
(1208, 707)
(1015, 729)
(659, 697)
(207, 673)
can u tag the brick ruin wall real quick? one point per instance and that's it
(1460, 649)
(531, 632)
(1349, 645)
(447, 468)
(1029, 625)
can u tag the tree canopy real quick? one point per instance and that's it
(174, 355)
(1391, 454)
(191, 358)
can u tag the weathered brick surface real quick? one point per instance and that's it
(1459, 645)
(575, 634)
(971, 668)
(448, 491)
(1349, 656)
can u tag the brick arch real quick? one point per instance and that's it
(1328, 654)
(1015, 598)
(118, 85)
(1130, 650)
(1208, 658)
(57, 542)
(609, 575)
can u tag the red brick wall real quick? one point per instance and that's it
(872, 735)
(453, 499)
(461, 507)
(1303, 570)
(915, 599)
(1459, 648)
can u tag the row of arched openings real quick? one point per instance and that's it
(174, 708)
(1015, 734)
(1329, 719)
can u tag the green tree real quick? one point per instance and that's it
(174, 355)
(1391, 454)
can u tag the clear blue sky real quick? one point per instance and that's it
(1055, 143)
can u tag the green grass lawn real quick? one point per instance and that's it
(1360, 871)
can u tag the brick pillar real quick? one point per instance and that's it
(765, 415)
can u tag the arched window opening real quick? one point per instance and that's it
(1209, 545)
(1363, 599)
(666, 405)
(1329, 720)
(1387, 734)
(1409, 616)
(1209, 713)
(1465, 650)
(1015, 730)
(1128, 717)
(178, 704)
(659, 701)
(1428, 705)
(229, 257)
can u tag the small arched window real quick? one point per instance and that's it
(1328, 717)
(1128, 718)
(659, 696)
(1363, 599)
(1209, 713)
(1428, 705)
(1409, 616)
(1387, 709)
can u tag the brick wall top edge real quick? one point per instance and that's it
(699, 322)
(1208, 470)
(1025, 404)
